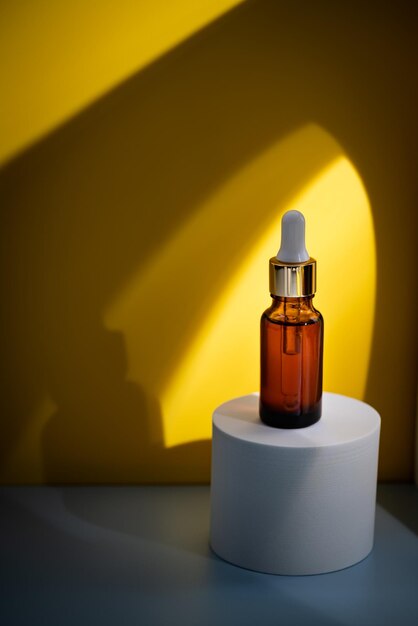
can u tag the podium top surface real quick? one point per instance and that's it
(343, 420)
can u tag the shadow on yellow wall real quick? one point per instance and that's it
(108, 192)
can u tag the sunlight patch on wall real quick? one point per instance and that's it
(190, 315)
(223, 360)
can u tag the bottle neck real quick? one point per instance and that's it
(293, 310)
(305, 301)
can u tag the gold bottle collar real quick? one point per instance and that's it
(295, 280)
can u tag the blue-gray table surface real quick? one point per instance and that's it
(140, 555)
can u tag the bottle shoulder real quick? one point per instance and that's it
(297, 316)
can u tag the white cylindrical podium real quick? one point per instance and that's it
(294, 501)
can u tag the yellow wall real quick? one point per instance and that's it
(57, 56)
(135, 238)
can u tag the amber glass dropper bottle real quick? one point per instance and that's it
(292, 333)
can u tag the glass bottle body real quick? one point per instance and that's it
(292, 333)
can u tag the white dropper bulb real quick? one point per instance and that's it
(292, 247)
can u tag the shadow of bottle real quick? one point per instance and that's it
(100, 431)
